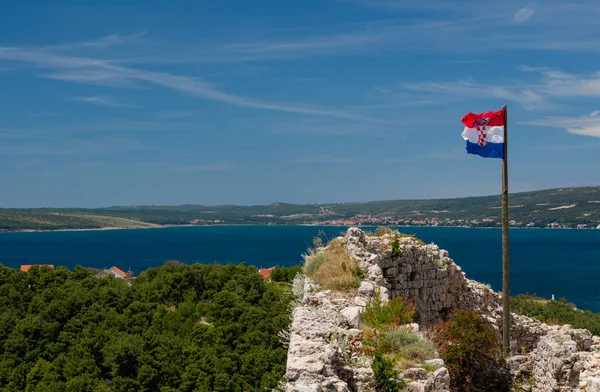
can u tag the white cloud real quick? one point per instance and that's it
(105, 101)
(523, 14)
(329, 127)
(525, 97)
(558, 25)
(583, 125)
(103, 72)
(30, 163)
(103, 42)
(547, 71)
(51, 146)
(554, 87)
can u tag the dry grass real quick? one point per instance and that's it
(333, 268)
(404, 347)
(380, 231)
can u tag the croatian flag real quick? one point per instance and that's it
(484, 134)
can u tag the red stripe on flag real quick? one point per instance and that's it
(489, 119)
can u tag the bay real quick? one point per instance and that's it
(565, 263)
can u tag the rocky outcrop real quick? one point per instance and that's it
(325, 349)
(325, 346)
(564, 359)
(324, 342)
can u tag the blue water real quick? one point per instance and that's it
(565, 263)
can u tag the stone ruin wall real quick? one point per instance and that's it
(556, 358)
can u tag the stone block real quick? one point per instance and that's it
(352, 315)
(437, 363)
(415, 387)
(366, 288)
(441, 379)
(339, 302)
(360, 301)
(384, 294)
(415, 373)
(593, 385)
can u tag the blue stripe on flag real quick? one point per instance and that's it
(490, 150)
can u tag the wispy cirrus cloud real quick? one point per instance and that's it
(40, 143)
(105, 101)
(566, 147)
(326, 127)
(523, 14)
(558, 26)
(588, 125)
(104, 72)
(523, 95)
(31, 163)
(108, 41)
(552, 88)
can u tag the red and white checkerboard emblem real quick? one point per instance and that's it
(481, 135)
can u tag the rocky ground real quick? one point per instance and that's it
(325, 349)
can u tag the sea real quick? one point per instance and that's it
(545, 262)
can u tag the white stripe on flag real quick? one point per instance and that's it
(494, 134)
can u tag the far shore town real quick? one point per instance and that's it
(375, 220)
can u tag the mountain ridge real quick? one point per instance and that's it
(557, 207)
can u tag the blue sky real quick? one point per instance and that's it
(237, 102)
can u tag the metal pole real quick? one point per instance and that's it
(505, 247)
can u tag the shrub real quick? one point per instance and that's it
(298, 286)
(385, 375)
(314, 262)
(395, 312)
(404, 347)
(333, 268)
(467, 344)
(383, 230)
(396, 248)
(405, 344)
(285, 274)
(555, 312)
(395, 339)
(359, 273)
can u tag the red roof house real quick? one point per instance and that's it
(112, 271)
(266, 272)
(26, 267)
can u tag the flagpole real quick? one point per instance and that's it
(505, 247)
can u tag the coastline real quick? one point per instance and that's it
(91, 229)
(271, 224)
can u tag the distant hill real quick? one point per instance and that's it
(565, 207)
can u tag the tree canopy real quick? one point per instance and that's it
(176, 328)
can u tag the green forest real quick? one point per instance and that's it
(175, 328)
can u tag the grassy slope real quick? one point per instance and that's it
(25, 220)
